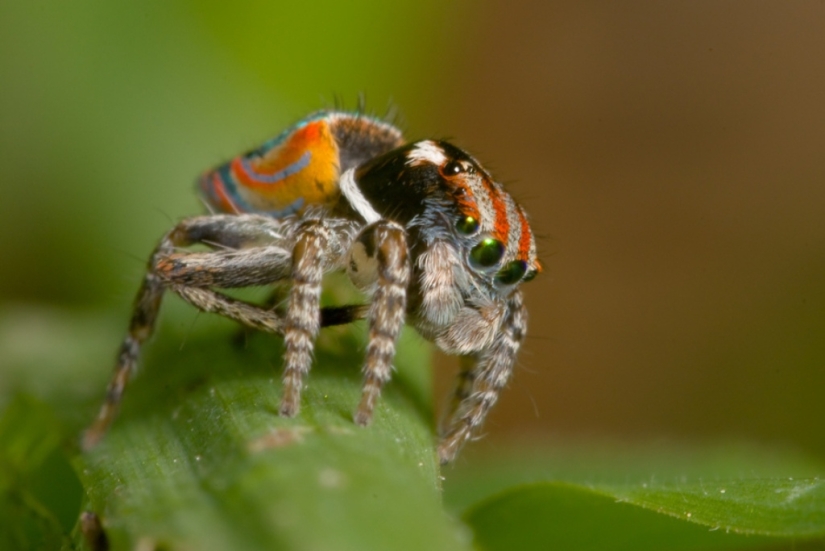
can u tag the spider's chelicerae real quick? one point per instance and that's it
(420, 227)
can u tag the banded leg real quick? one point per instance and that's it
(489, 376)
(218, 230)
(250, 315)
(141, 326)
(463, 390)
(387, 312)
(261, 318)
(303, 315)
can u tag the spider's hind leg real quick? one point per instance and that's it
(272, 303)
(228, 231)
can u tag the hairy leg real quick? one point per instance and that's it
(217, 230)
(303, 315)
(386, 315)
(485, 381)
(463, 389)
(258, 317)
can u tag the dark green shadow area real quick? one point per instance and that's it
(40, 495)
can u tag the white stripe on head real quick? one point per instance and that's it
(356, 199)
(426, 152)
(483, 201)
(514, 236)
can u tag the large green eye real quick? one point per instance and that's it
(487, 253)
(467, 225)
(512, 272)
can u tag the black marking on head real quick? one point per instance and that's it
(458, 156)
(396, 188)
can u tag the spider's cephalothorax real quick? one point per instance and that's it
(420, 227)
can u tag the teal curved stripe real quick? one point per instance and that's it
(276, 177)
(231, 188)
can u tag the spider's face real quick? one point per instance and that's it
(442, 195)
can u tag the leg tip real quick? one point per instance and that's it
(90, 439)
(362, 418)
(446, 453)
(449, 445)
(288, 409)
(92, 531)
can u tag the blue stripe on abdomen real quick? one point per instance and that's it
(231, 187)
(276, 177)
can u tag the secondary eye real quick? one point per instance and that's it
(486, 254)
(531, 275)
(512, 272)
(467, 225)
(452, 168)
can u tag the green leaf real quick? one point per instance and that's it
(546, 516)
(730, 498)
(770, 507)
(200, 459)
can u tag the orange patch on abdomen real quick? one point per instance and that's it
(308, 161)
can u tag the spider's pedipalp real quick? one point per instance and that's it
(479, 388)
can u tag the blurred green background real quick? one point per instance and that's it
(670, 154)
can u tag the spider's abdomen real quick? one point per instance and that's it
(301, 167)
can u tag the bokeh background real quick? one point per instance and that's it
(671, 155)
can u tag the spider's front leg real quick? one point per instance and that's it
(481, 382)
(167, 268)
(379, 264)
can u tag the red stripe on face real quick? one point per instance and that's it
(464, 198)
(526, 236)
(501, 226)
